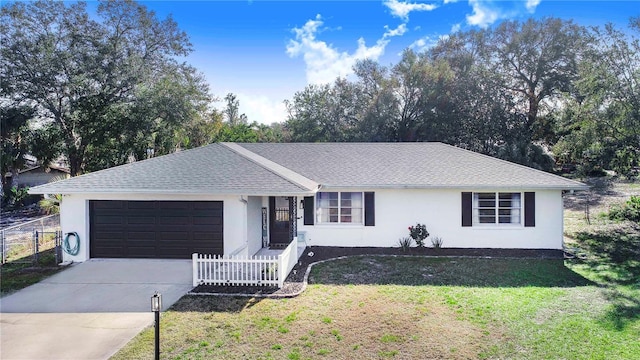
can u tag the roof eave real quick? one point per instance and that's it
(48, 190)
(575, 187)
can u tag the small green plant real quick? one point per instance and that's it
(436, 241)
(294, 354)
(326, 320)
(405, 243)
(18, 196)
(50, 204)
(323, 352)
(630, 210)
(418, 233)
(276, 347)
(389, 338)
(282, 329)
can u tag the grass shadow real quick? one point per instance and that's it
(613, 258)
(471, 272)
(625, 309)
(20, 273)
(613, 255)
(229, 304)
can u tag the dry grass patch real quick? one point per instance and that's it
(327, 321)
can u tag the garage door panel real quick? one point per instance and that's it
(141, 236)
(140, 205)
(142, 220)
(106, 205)
(160, 229)
(110, 220)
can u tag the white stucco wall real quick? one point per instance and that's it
(254, 224)
(74, 217)
(441, 211)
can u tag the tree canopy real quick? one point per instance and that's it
(110, 87)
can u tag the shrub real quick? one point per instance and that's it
(630, 210)
(18, 196)
(405, 243)
(437, 241)
(418, 233)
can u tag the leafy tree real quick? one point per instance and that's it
(14, 135)
(232, 110)
(601, 127)
(536, 60)
(90, 79)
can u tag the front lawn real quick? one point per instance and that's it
(448, 308)
(408, 308)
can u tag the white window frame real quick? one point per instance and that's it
(319, 209)
(496, 222)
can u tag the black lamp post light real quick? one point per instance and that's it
(156, 306)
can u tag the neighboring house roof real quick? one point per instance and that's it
(303, 168)
(405, 165)
(51, 167)
(211, 169)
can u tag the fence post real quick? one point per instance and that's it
(35, 246)
(4, 247)
(194, 262)
(280, 271)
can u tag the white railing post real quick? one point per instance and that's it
(280, 270)
(194, 258)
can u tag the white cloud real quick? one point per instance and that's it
(483, 14)
(323, 61)
(258, 108)
(262, 109)
(486, 12)
(427, 42)
(402, 9)
(456, 27)
(450, 1)
(399, 31)
(531, 5)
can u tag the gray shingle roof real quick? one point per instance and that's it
(411, 165)
(298, 168)
(212, 169)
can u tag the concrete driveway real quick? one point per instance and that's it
(90, 310)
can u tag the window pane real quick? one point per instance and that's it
(327, 207)
(351, 207)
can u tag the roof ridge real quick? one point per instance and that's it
(272, 166)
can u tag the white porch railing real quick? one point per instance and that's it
(241, 270)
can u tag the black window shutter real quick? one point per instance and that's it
(467, 213)
(369, 209)
(309, 210)
(529, 209)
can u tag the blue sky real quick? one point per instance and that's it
(265, 51)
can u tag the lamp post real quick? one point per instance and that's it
(156, 306)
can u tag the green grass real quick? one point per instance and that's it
(413, 308)
(16, 275)
(455, 308)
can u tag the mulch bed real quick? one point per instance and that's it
(295, 281)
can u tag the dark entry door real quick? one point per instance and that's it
(279, 221)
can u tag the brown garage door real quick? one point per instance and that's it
(155, 229)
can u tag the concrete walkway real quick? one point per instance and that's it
(90, 310)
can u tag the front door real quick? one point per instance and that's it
(279, 224)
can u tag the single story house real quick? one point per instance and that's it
(37, 175)
(236, 198)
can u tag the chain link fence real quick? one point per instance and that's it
(24, 243)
